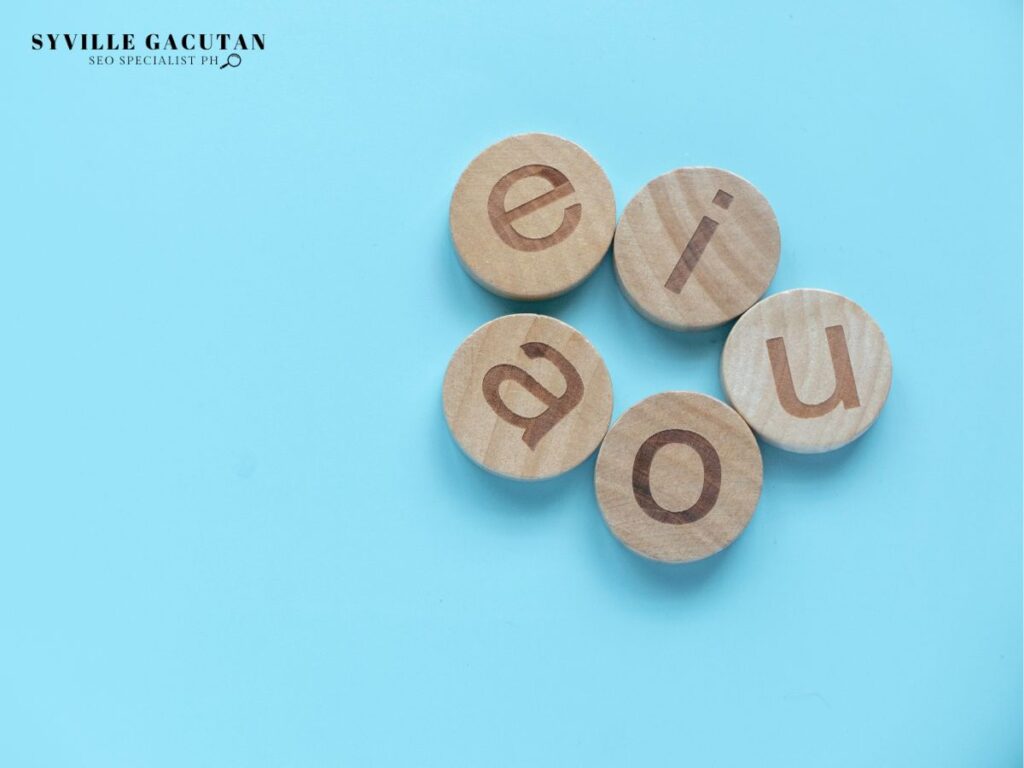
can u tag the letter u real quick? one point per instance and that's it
(845, 390)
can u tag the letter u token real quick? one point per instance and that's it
(809, 370)
(527, 396)
(678, 477)
(532, 216)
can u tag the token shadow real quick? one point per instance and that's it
(459, 290)
(790, 466)
(503, 495)
(635, 574)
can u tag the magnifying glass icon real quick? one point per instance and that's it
(233, 61)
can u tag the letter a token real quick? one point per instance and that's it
(532, 216)
(809, 370)
(678, 477)
(527, 396)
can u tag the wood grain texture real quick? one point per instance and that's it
(696, 247)
(808, 369)
(527, 396)
(678, 477)
(532, 216)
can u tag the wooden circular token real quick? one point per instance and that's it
(532, 216)
(678, 477)
(809, 370)
(696, 248)
(527, 396)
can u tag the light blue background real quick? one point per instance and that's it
(233, 528)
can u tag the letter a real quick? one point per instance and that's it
(534, 428)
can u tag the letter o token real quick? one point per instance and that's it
(527, 396)
(809, 370)
(532, 216)
(678, 477)
(695, 248)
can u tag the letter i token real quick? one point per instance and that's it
(678, 477)
(696, 248)
(809, 370)
(532, 216)
(527, 396)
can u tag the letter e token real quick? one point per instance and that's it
(532, 216)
